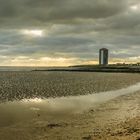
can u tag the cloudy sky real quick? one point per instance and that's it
(68, 32)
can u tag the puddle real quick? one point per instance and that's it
(17, 111)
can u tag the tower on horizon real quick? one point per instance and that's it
(103, 56)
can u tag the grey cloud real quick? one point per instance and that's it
(73, 28)
(15, 44)
(125, 21)
(37, 12)
(7, 9)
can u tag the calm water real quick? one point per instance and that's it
(17, 85)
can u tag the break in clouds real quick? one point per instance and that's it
(68, 32)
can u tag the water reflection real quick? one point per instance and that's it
(28, 109)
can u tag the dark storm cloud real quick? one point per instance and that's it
(72, 28)
(44, 11)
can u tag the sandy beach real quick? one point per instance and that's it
(112, 114)
(117, 119)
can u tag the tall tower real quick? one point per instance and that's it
(103, 56)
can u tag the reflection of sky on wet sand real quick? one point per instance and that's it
(29, 85)
(12, 112)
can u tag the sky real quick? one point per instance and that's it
(68, 32)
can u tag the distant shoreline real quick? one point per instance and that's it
(113, 69)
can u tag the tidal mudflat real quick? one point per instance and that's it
(69, 105)
(27, 85)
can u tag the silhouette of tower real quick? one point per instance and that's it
(103, 56)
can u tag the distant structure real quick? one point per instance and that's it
(103, 56)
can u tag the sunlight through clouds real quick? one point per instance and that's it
(33, 33)
(42, 61)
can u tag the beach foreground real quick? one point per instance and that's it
(116, 119)
(111, 114)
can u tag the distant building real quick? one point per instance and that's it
(103, 56)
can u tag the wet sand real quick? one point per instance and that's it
(25, 84)
(108, 115)
(117, 119)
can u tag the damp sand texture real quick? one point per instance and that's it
(49, 106)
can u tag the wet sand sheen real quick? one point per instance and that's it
(80, 116)
(112, 119)
(25, 85)
(28, 109)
